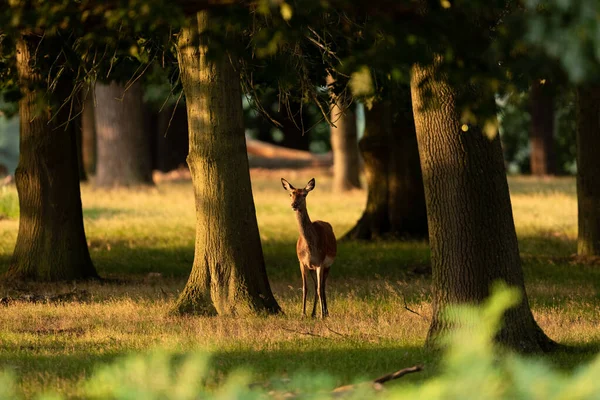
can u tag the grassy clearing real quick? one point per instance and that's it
(134, 233)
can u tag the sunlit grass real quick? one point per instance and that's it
(371, 288)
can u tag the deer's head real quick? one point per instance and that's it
(298, 196)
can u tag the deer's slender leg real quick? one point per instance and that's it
(313, 274)
(321, 290)
(303, 271)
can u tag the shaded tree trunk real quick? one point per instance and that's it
(123, 155)
(471, 229)
(541, 133)
(171, 141)
(51, 243)
(228, 275)
(588, 171)
(88, 131)
(396, 200)
(344, 143)
(76, 120)
(292, 127)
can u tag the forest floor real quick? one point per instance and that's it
(379, 297)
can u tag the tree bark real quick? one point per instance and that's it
(541, 133)
(588, 170)
(88, 131)
(471, 229)
(228, 275)
(51, 243)
(123, 148)
(344, 144)
(396, 200)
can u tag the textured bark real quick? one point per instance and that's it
(541, 134)
(88, 131)
(396, 200)
(344, 144)
(588, 171)
(123, 148)
(51, 243)
(471, 229)
(228, 275)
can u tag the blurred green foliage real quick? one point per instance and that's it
(515, 125)
(472, 367)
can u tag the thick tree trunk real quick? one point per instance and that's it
(396, 200)
(588, 171)
(51, 243)
(541, 134)
(228, 275)
(88, 131)
(344, 143)
(123, 147)
(471, 229)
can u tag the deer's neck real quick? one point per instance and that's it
(305, 226)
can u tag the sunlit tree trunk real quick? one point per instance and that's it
(123, 155)
(228, 275)
(471, 229)
(588, 171)
(51, 243)
(344, 143)
(541, 133)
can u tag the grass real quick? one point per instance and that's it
(132, 235)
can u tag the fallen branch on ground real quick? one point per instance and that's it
(377, 384)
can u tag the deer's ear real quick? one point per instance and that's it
(310, 185)
(286, 185)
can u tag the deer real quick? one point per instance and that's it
(316, 247)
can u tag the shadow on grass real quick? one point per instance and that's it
(345, 364)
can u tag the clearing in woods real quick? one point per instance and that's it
(378, 293)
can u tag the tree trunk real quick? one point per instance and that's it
(123, 148)
(76, 121)
(344, 144)
(88, 131)
(471, 229)
(171, 138)
(51, 243)
(228, 275)
(292, 121)
(588, 171)
(396, 200)
(541, 134)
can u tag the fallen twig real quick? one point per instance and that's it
(412, 311)
(376, 384)
(398, 374)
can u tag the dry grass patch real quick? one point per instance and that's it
(379, 297)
